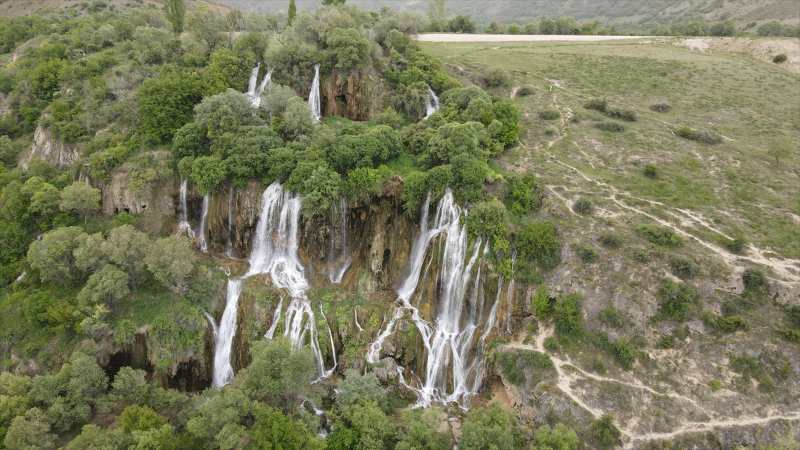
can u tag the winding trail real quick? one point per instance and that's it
(568, 373)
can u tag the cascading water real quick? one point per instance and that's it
(433, 103)
(183, 224)
(339, 258)
(313, 96)
(275, 253)
(264, 83)
(510, 295)
(223, 371)
(251, 85)
(229, 245)
(449, 338)
(202, 231)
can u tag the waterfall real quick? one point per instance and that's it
(264, 83)
(355, 317)
(275, 253)
(223, 371)
(449, 338)
(338, 264)
(510, 295)
(313, 96)
(251, 86)
(229, 246)
(202, 232)
(22, 275)
(276, 317)
(433, 103)
(183, 224)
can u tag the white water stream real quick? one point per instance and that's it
(433, 104)
(339, 256)
(203, 217)
(223, 371)
(251, 85)
(229, 245)
(313, 96)
(449, 338)
(183, 224)
(261, 87)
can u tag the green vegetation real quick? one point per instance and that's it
(676, 300)
(780, 58)
(583, 206)
(661, 236)
(549, 114)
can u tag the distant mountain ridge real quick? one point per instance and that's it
(14, 8)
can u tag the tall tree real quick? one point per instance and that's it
(292, 12)
(333, 2)
(437, 9)
(80, 197)
(175, 10)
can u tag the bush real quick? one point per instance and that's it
(599, 366)
(586, 253)
(519, 194)
(651, 171)
(541, 302)
(661, 236)
(780, 58)
(660, 108)
(596, 104)
(619, 113)
(611, 240)
(538, 241)
(642, 256)
(705, 137)
(736, 245)
(625, 353)
(549, 114)
(551, 344)
(666, 342)
(583, 206)
(732, 323)
(568, 316)
(605, 433)
(715, 385)
(683, 267)
(754, 279)
(676, 300)
(525, 91)
(489, 219)
(612, 317)
(496, 76)
(609, 127)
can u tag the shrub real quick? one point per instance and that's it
(707, 137)
(666, 342)
(780, 58)
(538, 241)
(683, 267)
(791, 335)
(612, 317)
(599, 366)
(625, 353)
(676, 300)
(549, 114)
(583, 206)
(496, 76)
(541, 302)
(586, 253)
(661, 236)
(489, 219)
(610, 127)
(715, 385)
(611, 240)
(687, 133)
(596, 104)
(651, 171)
(754, 279)
(551, 344)
(736, 245)
(732, 323)
(568, 315)
(525, 91)
(605, 432)
(519, 194)
(619, 113)
(641, 255)
(660, 108)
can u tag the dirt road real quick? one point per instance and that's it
(452, 37)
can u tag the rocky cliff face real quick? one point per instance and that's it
(354, 95)
(46, 147)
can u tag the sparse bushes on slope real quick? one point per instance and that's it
(661, 236)
(660, 108)
(620, 113)
(611, 240)
(676, 300)
(597, 104)
(610, 127)
(683, 267)
(549, 114)
(587, 254)
(583, 206)
(651, 171)
(705, 137)
(780, 58)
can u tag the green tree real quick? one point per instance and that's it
(568, 315)
(514, 29)
(350, 48)
(166, 103)
(171, 260)
(140, 418)
(538, 241)
(105, 286)
(320, 189)
(81, 198)
(490, 219)
(780, 148)
(220, 417)
(365, 427)
(298, 119)
(541, 302)
(226, 70)
(605, 432)
(46, 78)
(451, 140)
(279, 373)
(130, 385)
(127, 248)
(491, 428)
(558, 438)
(276, 99)
(209, 27)
(357, 387)
(208, 172)
(272, 430)
(547, 26)
(175, 10)
(93, 437)
(53, 256)
(438, 10)
(292, 12)
(30, 432)
(463, 24)
(468, 176)
(422, 430)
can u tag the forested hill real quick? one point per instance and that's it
(606, 11)
(15, 8)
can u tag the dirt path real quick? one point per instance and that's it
(454, 37)
(568, 373)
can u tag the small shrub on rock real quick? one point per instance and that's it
(754, 279)
(587, 254)
(676, 300)
(641, 255)
(780, 58)
(660, 108)
(611, 240)
(612, 317)
(525, 91)
(666, 342)
(732, 323)
(549, 114)
(736, 245)
(620, 113)
(715, 385)
(610, 127)
(661, 236)
(551, 344)
(705, 137)
(683, 267)
(583, 206)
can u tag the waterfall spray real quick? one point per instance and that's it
(183, 224)
(251, 85)
(339, 263)
(202, 232)
(223, 371)
(433, 103)
(264, 83)
(229, 245)
(313, 96)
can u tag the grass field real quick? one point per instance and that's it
(733, 188)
